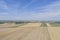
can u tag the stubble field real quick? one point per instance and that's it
(29, 31)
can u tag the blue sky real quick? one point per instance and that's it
(29, 9)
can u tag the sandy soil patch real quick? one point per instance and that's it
(54, 32)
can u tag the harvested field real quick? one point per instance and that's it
(55, 24)
(31, 31)
(54, 32)
(10, 25)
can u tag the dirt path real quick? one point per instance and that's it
(39, 34)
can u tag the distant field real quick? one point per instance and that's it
(17, 24)
(55, 24)
(11, 25)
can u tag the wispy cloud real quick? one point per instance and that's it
(32, 1)
(49, 11)
(16, 12)
(3, 5)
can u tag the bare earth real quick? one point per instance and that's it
(54, 32)
(30, 31)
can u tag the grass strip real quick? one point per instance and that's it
(43, 25)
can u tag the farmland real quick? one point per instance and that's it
(11, 25)
(55, 24)
(30, 31)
